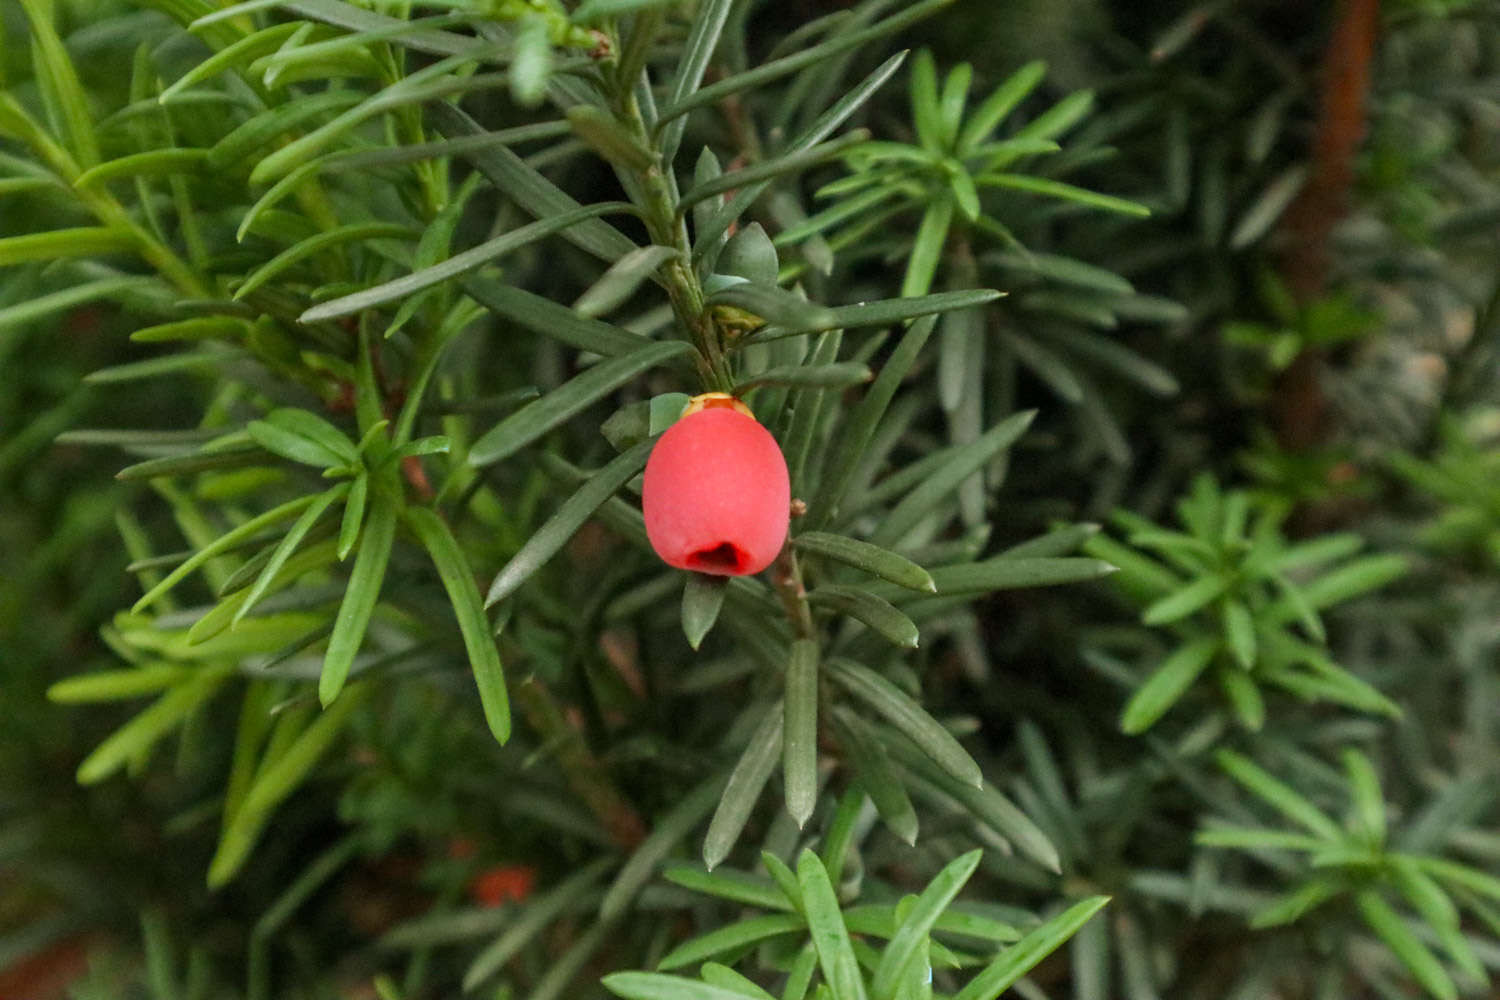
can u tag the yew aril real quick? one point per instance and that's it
(716, 497)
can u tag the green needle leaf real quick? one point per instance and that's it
(702, 41)
(871, 559)
(1021, 957)
(1424, 894)
(244, 144)
(1289, 907)
(196, 362)
(1390, 928)
(1059, 118)
(137, 735)
(1460, 875)
(1001, 102)
(724, 977)
(116, 685)
(661, 986)
(468, 606)
(927, 247)
(564, 524)
(906, 715)
(593, 11)
(825, 924)
(876, 612)
(877, 774)
(354, 515)
(800, 977)
(241, 52)
(965, 194)
(953, 100)
(883, 313)
(361, 595)
(986, 804)
(1239, 629)
(1066, 192)
(276, 781)
(839, 375)
(302, 436)
(1364, 794)
(429, 84)
(622, 279)
(541, 315)
(1267, 207)
(527, 187)
(702, 597)
(1167, 685)
(774, 305)
(1255, 839)
(540, 416)
(1278, 794)
(749, 254)
(203, 328)
(1439, 912)
(728, 884)
(314, 245)
(800, 731)
(84, 241)
(730, 937)
(923, 916)
(924, 102)
(223, 543)
(42, 306)
(746, 781)
(1181, 603)
(181, 465)
(460, 263)
(1353, 579)
(1244, 697)
(859, 428)
(685, 101)
(965, 462)
(56, 73)
(287, 546)
(778, 166)
(158, 162)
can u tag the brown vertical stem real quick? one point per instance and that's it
(786, 578)
(1301, 408)
(585, 773)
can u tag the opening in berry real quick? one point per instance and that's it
(726, 557)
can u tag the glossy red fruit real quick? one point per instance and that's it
(717, 498)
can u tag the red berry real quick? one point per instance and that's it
(502, 884)
(716, 497)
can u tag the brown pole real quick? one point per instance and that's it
(1301, 409)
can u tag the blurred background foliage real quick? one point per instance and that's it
(1252, 296)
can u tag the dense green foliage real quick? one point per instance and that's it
(1133, 365)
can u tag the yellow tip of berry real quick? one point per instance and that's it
(716, 401)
